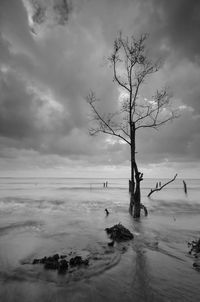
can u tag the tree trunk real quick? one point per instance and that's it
(132, 202)
(132, 187)
(137, 198)
(137, 209)
(135, 179)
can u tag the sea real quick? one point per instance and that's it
(44, 216)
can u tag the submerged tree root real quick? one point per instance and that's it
(144, 208)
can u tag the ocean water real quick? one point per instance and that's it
(43, 216)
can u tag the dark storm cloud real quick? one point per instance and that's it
(177, 25)
(173, 26)
(27, 118)
(55, 63)
(16, 115)
(180, 23)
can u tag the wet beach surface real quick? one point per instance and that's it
(43, 217)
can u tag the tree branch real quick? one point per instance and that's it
(103, 125)
(158, 189)
(116, 76)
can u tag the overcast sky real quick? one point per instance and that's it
(53, 52)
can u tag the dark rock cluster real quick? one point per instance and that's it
(119, 233)
(76, 261)
(59, 263)
(194, 246)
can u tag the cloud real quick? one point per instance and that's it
(173, 26)
(183, 80)
(53, 52)
(176, 141)
(180, 23)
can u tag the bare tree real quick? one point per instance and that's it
(131, 67)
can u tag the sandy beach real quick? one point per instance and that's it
(41, 217)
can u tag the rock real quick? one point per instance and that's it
(86, 262)
(57, 262)
(63, 266)
(196, 265)
(194, 247)
(43, 260)
(77, 260)
(56, 257)
(51, 264)
(111, 243)
(119, 233)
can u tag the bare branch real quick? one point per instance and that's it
(104, 123)
(159, 189)
(124, 131)
(156, 112)
(116, 77)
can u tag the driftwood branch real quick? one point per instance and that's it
(159, 189)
